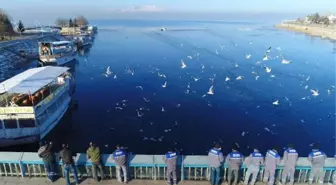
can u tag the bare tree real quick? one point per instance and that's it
(81, 21)
(62, 22)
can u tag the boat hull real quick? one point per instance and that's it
(19, 141)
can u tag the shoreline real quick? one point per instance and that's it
(310, 30)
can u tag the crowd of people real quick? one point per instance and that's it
(234, 161)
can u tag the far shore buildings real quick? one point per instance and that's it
(332, 19)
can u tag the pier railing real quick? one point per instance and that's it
(26, 164)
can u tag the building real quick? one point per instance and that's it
(332, 19)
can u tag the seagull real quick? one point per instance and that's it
(120, 108)
(306, 87)
(328, 91)
(307, 79)
(161, 75)
(268, 70)
(183, 65)
(146, 100)
(162, 109)
(269, 49)
(211, 91)
(278, 48)
(164, 85)
(204, 95)
(272, 76)
(187, 91)
(202, 67)
(139, 113)
(227, 79)
(188, 86)
(190, 57)
(236, 65)
(178, 105)
(284, 61)
(248, 56)
(115, 77)
(256, 78)
(314, 92)
(276, 102)
(265, 57)
(139, 87)
(195, 79)
(107, 72)
(239, 78)
(217, 52)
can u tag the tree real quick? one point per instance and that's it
(62, 22)
(70, 23)
(81, 21)
(6, 27)
(324, 20)
(315, 18)
(20, 27)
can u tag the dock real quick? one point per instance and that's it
(27, 168)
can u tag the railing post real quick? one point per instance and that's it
(22, 169)
(182, 169)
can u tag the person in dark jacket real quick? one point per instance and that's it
(93, 153)
(170, 159)
(48, 158)
(68, 163)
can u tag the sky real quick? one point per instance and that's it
(46, 10)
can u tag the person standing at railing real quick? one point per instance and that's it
(317, 159)
(119, 156)
(216, 159)
(48, 158)
(272, 160)
(290, 158)
(93, 153)
(234, 161)
(253, 163)
(170, 159)
(68, 164)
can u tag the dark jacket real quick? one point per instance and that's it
(45, 153)
(66, 156)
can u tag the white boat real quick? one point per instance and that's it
(32, 103)
(56, 53)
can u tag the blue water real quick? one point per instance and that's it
(236, 107)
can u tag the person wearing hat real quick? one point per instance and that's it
(272, 160)
(93, 153)
(170, 159)
(234, 160)
(253, 163)
(119, 156)
(290, 158)
(48, 158)
(216, 159)
(68, 163)
(317, 159)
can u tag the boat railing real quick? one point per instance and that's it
(144, 167)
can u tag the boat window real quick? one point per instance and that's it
(10, 123)
(42, 118)
(27, 123)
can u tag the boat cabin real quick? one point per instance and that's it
(24, 97)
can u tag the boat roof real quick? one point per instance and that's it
(31, 80)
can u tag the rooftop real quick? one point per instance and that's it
(31, 80)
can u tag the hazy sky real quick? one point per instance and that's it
(44, 10)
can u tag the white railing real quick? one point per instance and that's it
(144, 167)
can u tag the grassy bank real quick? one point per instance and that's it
(323, 32)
